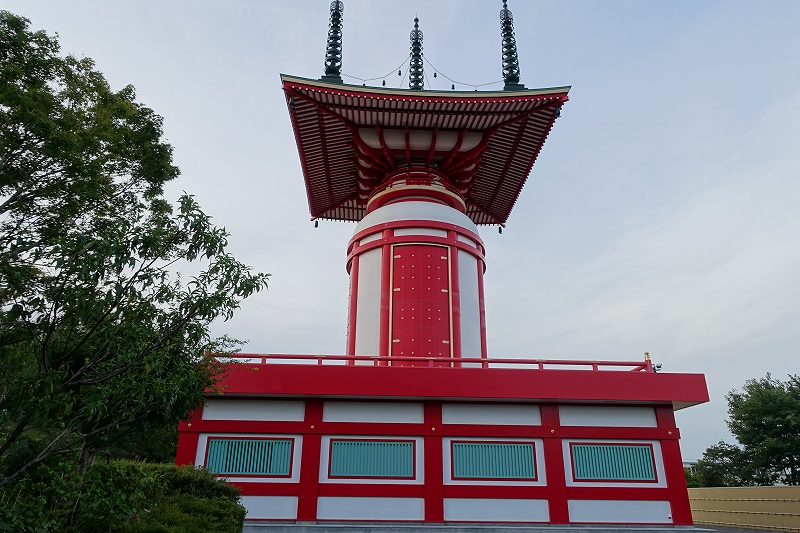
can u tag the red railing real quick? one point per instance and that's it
(419, 177)
(430, 362)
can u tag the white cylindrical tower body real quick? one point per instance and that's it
(416, 267)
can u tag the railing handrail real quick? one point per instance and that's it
(375, 360)
(416, 177)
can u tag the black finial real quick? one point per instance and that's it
(333, 55)
(416, 76)
(510, 58)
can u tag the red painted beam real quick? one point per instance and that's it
(681, 390)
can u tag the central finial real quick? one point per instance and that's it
(416, 74)
(510, 58)
(333, 54)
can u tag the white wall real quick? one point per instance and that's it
(368, 303)
(620, 511)
(607, 416)
(269, 410)
(345, 508)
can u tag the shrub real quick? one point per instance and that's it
(120, 496)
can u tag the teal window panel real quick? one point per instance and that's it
(613, 462)
(371, 459)
(264, 457)
(494, 460)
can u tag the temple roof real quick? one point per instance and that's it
(349, 136)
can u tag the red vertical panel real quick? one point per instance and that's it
(188, 439)
(673, 468)
(420, 302)
(433, 465)
(309, 463)
(554, 467)
(455, 299)
(386, 275)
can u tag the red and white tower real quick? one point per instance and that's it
(416, 422)
(418, 171)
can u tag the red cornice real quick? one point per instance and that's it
(282, 380)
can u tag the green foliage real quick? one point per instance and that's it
(724, 465)
(158, 445)
(195, 501)
(692, 480)
(188, 514)
(120, 496)
(765, 419)
(100, 339)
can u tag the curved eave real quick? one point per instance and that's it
(326, 115)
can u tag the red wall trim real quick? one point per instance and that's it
(188, 439)
(455, 491)
(497, 491)
(386, 287)
(372, 490)
(475, 384)
(618, 493)
(415, 239)
(309, 463)
(455, 299)
(267, 489)
(187, 448)
(673, 469)
(444, 430)
(431, 224)
(554, 466)
(434, 467)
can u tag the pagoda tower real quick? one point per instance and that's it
(416, 422)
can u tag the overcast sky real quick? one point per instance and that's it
(661, 215)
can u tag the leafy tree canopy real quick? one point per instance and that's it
(98, 336)
(765, 419)
(723, 465)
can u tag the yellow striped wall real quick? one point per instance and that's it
(774, 508)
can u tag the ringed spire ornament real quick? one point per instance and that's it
(510, 57)
(333, 53)
(416, 73)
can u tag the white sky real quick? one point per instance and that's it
(661, 215)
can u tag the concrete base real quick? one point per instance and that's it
(390, 527)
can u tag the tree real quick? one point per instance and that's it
(723, 465)
(98, 336)
(765, 419)
(692, 480)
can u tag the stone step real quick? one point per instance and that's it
(388, 527)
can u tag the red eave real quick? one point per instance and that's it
(466, 384)
(325, 115)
